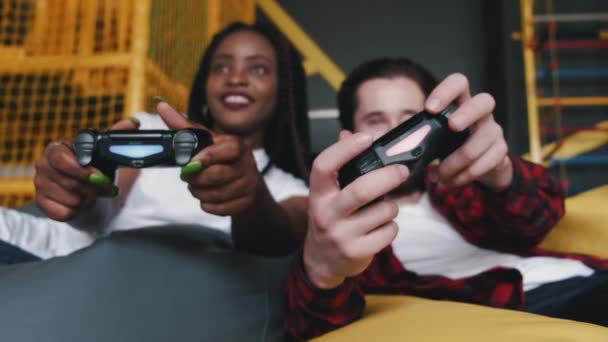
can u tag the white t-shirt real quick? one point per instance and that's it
(160, 197)
(41, 236)
(428, 245)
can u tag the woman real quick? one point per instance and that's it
(250, 91)
(159, 284)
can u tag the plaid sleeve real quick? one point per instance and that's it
(514, 219)
(312, 311)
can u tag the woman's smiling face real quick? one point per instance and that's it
(242, 84)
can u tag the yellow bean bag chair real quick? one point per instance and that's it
(584, 229)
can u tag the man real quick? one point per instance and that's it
(466, 234)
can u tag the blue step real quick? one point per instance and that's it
(581, 160)
(565, 73)
(574, 190)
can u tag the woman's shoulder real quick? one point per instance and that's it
(274, 176)
(283, 184)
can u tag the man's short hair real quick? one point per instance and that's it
(379, 68)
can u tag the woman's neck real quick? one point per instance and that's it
(255, 141)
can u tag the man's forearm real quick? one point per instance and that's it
(516, 218)
(312, 311)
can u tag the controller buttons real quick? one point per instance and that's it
(137, 163)
(184, 143)
(83, 145)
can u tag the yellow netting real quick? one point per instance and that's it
(66, 65)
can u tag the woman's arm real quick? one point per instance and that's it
(268, 227)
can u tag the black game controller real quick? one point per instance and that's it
(106, 150)
(414, 143)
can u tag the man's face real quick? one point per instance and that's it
(384, 103)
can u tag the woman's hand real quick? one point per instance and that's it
(224, 176)
(63, 186)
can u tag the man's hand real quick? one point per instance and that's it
(343, 237)
(483, 157)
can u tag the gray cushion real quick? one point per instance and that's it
(153, 284)
(32, 209)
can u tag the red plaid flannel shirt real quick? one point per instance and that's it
(514, 220)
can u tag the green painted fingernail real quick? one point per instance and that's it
(158, 98)
(115, 191)
(191, 168)
(135, 121)
(99, 179)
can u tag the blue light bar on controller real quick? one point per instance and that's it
(136, 151)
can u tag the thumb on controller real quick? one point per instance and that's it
(175, 120)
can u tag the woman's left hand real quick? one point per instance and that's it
(224, 175)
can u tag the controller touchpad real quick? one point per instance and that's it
(136, 151)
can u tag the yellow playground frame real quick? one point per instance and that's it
(573, 144)
(121, 52)
(125, 51)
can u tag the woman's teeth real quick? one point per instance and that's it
(236, 99)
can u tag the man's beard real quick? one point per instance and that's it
(410, 186)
